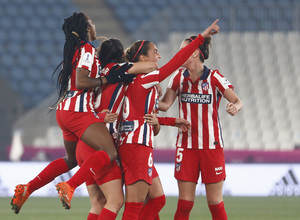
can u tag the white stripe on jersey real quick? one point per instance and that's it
(151, 82)
(210, 119)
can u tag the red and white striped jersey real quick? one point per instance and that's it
(81, 100)
(141, 97)
(199, 103)
(110, 96)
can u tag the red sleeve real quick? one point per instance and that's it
(180, 57)
(166, 121)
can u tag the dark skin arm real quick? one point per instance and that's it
(83, 81)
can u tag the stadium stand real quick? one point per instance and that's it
(33, 36)
(258, 50)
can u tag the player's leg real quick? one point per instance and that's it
(185, 200)
(214, 196)
(155, 200)
(135, 196)
(47, 175)
(113, 192)
(96, 136)
(97, 200)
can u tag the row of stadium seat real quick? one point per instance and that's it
(32, 45)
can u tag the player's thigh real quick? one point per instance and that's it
(98, 137)
(187, 190)
(214, 193)
(137, 191)
(156, 189)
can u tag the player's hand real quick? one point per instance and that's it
(183, 124)
(118, 74)
(109, 117)
(211, 30)
(231, 109)
(151, 119)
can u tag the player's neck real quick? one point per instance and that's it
(196, 71)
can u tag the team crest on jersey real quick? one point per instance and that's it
(178, 167)
(150, 171)
(205, 86)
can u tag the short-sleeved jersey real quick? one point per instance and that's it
(110, 96)
(75, 99)
(141, 97)
(199, 103)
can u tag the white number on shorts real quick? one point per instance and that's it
(179, 155)
(150, 160)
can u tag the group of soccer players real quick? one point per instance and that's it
(107, 112)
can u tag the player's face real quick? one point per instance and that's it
(91, 30)
(153, 54)
(184, 44)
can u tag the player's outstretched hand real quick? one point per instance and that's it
(211, 30)
(118, 74)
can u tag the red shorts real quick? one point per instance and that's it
(137, 163)
(108, 173)
(190, 162)
(74, 124)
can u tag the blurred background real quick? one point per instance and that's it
(257, 50)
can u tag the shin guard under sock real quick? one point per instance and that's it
(89, 168)
(132, 210)
(107, 215)
(152, 208)
(92, 216)
(183, 211)
(53, 170)
(218, 211)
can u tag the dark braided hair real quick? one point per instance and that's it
(111, 51)
(75, 30)
(137, 49)
(204, 48)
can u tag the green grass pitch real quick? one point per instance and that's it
(238, 208)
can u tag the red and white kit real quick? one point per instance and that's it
(201, 148)
(199, 104)
(141, 97)
(110, 96)
(81, 100)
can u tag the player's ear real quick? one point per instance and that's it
(142, 57)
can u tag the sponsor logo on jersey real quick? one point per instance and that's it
(196, 98)
(178, 167)
(150, 171)
(127, 126)
(205, 86)
(288, 185)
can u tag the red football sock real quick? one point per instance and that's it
(92, 216)
(51, 171)
(107, 215)
(132, 210)
(88, 169)
(184, 208)
(218, 211)
(151, 209)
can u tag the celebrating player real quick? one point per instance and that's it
(199, 91)
(136, 136)
(75, 111)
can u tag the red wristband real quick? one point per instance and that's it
(101, 116)
(166, 121)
